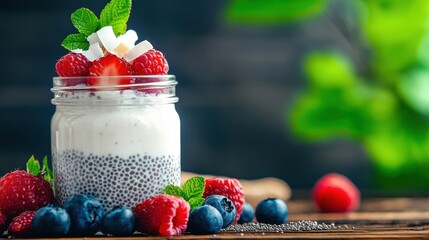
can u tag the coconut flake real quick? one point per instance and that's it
(107, 38)
(94, 52)
(121, 50)
(138, 50)
(129, 38)
(78, 50)
(93, 38)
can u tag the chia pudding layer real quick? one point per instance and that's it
(114, 145)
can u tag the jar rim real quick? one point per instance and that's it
(81, 83)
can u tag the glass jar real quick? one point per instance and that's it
(118, 143)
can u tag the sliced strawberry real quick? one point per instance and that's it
(110, 65)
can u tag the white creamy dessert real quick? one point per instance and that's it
(119, 153)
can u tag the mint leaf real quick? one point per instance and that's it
(33, 166)
(174, 190)
(47, 171)
(194, 187)
(85, 21)
(192, 191)
(75, 41)
(116, 14)
(195, 202)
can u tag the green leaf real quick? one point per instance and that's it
(47, 171)
(272, 11)
(85, 21)
(75, 41)
(173, 190)
(195, 202)
(116, 14)
(194, 187)
(33, 166)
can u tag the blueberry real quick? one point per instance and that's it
(272, 211)
(204, 219)
(247, 214)
(85, 213)
(119, 221)
(51, 221)
(225, 207)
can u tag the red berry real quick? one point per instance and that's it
(230, 188)
(21, 224)
(22, 191)
(73, 65)
(110, 65)
(3, 222)
(151, 62)
(335, 193)
(162, 215)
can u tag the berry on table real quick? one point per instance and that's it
(51, 221)
(228, 187)
(151, 62)
(163, 215)
(119, 221)
(22, 191)
(225, 207)
(205, 219)
(73, 65)
(271, 211)
(85, 213)
(247, 215)
(21, 224)
(335, 193)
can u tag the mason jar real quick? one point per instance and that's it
(118, 143)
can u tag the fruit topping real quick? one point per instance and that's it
(119, 221)
(228, 187)
(272, 211)
(110, 65)
(151, 62)
(51, 221)
(72, 65)
(21, 224)
(225, 207)
(335, 193)
(85, 213)
(162, 215)
(205, 220)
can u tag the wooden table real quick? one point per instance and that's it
(378, 218)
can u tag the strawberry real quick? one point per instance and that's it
(21, 224)
(335, 193)
(3, 222)
(109, 65)
(163, 215)
(151, 62)
(23, 191)
(73, 65)
(230, 188)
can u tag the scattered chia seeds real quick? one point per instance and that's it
(298, 226)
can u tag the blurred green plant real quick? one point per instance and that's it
(386, 108)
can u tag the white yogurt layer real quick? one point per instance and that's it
(152, 129)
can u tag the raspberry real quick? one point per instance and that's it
(22, 191)
(73, 65)
(162, 215)
(230, 188)
(151, 62)
(335, 193)
(21, 224)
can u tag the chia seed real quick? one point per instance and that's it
(298, 226)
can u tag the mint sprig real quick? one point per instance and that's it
(33, 167)
(116, 14)
(192, 191)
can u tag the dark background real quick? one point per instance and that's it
(236, 84)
